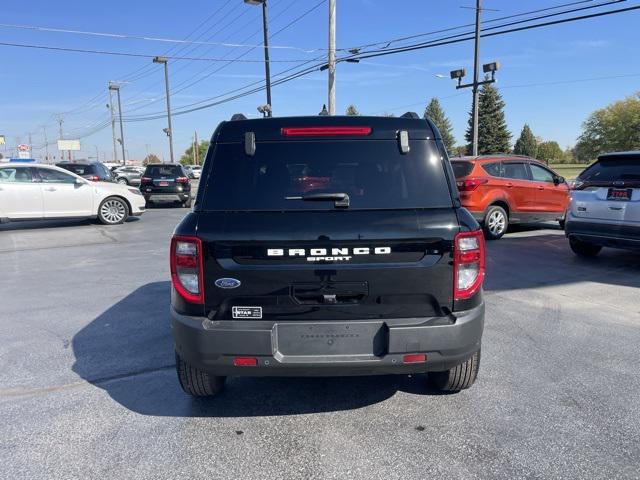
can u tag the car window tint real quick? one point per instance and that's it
(493, 169)
(540, 174)
(461, 169)
(613, 170)
(16, 175)
(79, 169)
(54, 176)
(516, 170)
(157, 171)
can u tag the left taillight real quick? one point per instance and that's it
(186, 268)
(469, 264)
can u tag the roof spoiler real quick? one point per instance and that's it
(413, 115)
(238, 116)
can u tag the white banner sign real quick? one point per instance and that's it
(66, 145)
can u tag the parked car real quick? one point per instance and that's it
(29, 191)
(605, 205)
(499, 190)
(376, 270)
(188, 171)
(127, 175)
(197, 170)
(166, 182)
(94, 171)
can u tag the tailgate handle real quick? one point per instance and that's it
(332, 294)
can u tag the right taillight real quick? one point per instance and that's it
(186, 268)
(470, 184)
(468, 266)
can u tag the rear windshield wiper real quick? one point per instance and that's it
(341, 199)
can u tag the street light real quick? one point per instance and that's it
(115, 87)
(265, 29)
(169, 130)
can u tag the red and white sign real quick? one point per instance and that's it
(23, 147)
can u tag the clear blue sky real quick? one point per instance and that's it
(37, 84)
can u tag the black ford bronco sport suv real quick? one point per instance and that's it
(327, 246)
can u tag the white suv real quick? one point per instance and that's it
(604, 210)
(32, 191)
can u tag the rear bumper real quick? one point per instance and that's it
(212, 345)
(167, 196)
(613, 235)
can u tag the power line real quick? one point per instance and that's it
(141, 55)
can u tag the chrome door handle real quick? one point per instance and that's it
(50, 189)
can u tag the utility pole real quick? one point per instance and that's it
(61, 137)
(113, 126)
(195, 133)
(169, 130)
(267, 69)
(46, 144)
(332, 57)
(476, 91)
(30, 147)
(475, 85)
(116, 87)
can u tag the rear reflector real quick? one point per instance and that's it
(326, 131)
(245, 362)
(415, 358)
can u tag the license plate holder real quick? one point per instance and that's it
(620, 194)
(330, 339)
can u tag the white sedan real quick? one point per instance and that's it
(33, 191)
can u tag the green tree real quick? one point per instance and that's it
(188, 157)
(436, 114)
(459, 151)
(526, 143)
(151, 158)
(613, 128)
(352, 111)
(550, 152)
(493, 135)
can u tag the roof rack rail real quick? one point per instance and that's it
(410, 115)
(238, 116)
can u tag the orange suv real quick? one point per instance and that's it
(499, 190)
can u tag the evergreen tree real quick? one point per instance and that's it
(527, 143)
(436, 114)
(352, 111)
(493, 136)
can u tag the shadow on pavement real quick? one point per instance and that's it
(61, 223)
(128, 352)
(528, 257)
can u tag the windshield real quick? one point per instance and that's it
(374, 174)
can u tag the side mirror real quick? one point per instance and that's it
(558, 180)
(80, 182)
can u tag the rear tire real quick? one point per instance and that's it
(458, 378)
(196, 382)
(496, 222)
(584, 249)
(123, 181)
(187, 204)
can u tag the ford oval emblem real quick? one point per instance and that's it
(227, 283)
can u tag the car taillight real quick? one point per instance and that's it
(93, 178)
(471, 184)
(145, 180)
(182, 180)
(186, 268)
(468, 264)
(325, 131)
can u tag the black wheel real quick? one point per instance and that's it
(113, 210)
(187, 203)
(458, 378)
(584, 249)
(122, 181)
(496, 222)
(197, 382)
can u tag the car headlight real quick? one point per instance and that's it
(135, 191)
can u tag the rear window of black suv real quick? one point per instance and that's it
(373, 173)
(157, 171)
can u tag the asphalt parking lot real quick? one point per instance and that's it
(88, 389)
